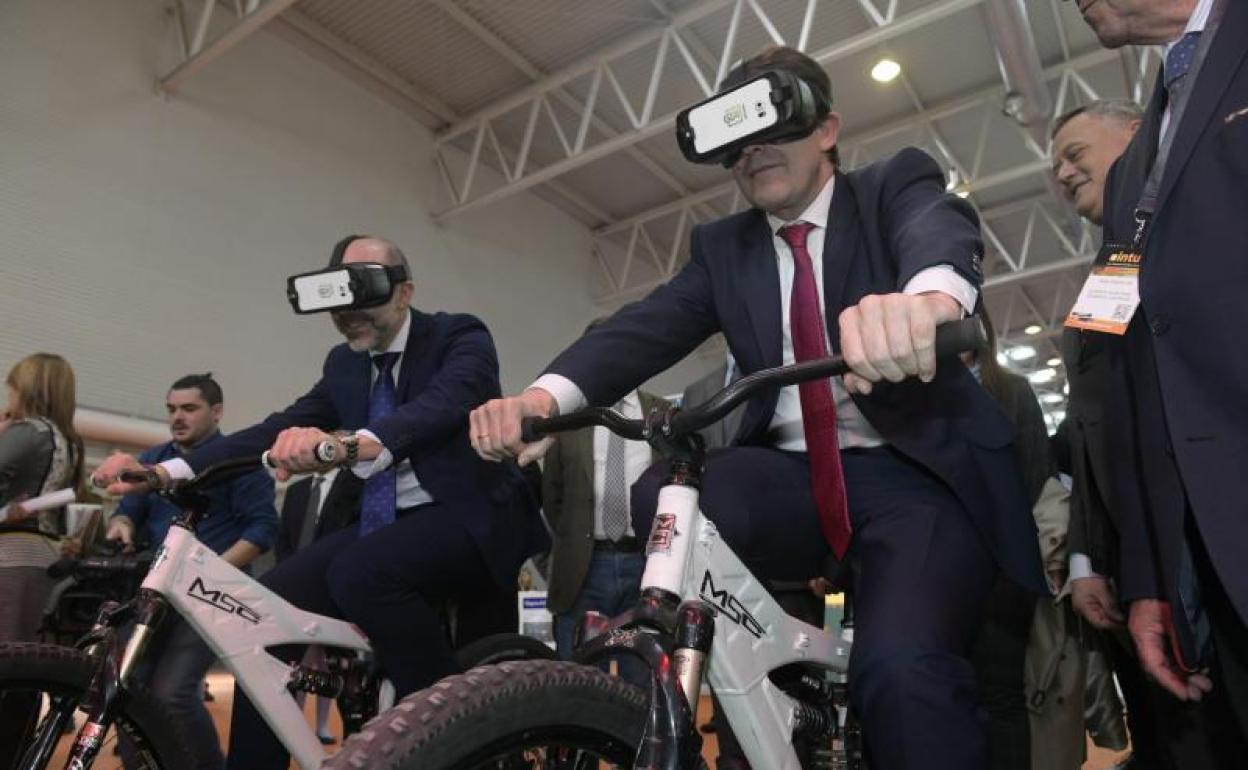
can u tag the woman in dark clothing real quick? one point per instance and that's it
(1000, 649)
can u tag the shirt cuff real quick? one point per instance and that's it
(367, 468)
(567, 394)
(178, 469)
(944, 279)
(1081, 567)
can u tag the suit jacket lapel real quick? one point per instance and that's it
(761, 279)
(839, 243)
(1221, 64)
(297, 500)
(581, 449)
(359, 387)
(416, 336)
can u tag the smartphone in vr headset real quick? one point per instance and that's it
(353, 286)
(774, 107)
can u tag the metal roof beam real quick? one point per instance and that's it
(646, 126)
(197, 53)
(520, 62)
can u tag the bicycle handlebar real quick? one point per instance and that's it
(951, 339)
(226, 470)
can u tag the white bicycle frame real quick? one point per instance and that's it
(239, 618)
(753, 635)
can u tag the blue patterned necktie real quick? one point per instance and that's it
(378, 505)
(1179, 59)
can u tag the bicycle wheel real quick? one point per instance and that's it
(518, 714)
(35, 678)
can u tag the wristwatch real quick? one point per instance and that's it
(351, 443)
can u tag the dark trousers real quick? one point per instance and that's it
(1230, 664)
(173, 669)
(921, 573)
(386, 583)
(612, 585)
(1167, 733)
(999, 656)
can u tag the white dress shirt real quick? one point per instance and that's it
(409, 492)
(786, 424)
(636, 460)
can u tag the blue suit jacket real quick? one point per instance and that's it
(888, 221)
(1181, 372)
(448, 368)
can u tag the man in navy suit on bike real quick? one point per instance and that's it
(436, 522)
(903, 470)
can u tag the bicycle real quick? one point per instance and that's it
(236, 616)
(700, 611)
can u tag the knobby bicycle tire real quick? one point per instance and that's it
(499, 716)
(158, 741)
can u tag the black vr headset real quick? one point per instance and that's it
(353, 286)
(775, 107)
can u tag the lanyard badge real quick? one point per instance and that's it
(1111, 293)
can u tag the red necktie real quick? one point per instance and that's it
(827, 479)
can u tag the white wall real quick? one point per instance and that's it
(145, 237)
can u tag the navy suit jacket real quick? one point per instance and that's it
(448, 368)
(888, 221)
(1181, 371)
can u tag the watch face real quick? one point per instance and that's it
(326, 451)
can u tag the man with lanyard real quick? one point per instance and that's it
(1176, 270)
(241, 524)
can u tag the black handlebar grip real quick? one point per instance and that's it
(530, 430)
(960, 337)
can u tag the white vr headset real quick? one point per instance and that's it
(339, 287)
(773, 108)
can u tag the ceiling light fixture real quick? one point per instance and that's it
(1034, 329)
(885, 71)
(1021, 352)
(1041, 376)
(1054, 361)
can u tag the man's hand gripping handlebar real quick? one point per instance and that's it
(522, 426)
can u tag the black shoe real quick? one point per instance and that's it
(327, 740)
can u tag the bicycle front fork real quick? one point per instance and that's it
(107, 680)
(670, 740)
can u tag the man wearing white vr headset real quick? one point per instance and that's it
(435, 521)
(903, 471)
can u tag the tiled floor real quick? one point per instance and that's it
(222, 688)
